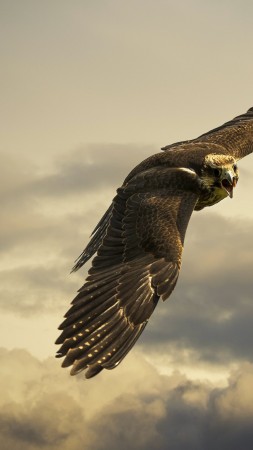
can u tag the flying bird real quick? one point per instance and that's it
(139, 242)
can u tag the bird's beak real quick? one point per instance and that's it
(229, 181)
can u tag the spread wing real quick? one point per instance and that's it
(137, 262)
(234, 137)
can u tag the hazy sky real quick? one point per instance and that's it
(88, 90)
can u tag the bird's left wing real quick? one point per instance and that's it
(137, 263)
(234, 137)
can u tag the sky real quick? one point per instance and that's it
(88, 90)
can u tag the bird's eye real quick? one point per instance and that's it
(235, 167)
(216, 172)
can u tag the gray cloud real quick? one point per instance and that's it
(89, 167)
(131, 407)
(38, 202)
(92, 167)
(47, 216)
(36, 289)
(211, 309)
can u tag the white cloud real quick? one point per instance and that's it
(131, 407)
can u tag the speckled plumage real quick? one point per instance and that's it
(139, 242)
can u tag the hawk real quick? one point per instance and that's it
(139, 243)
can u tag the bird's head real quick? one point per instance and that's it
(220, 173)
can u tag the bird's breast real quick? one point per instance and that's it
(211, 197)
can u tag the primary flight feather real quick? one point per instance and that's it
(139, 243)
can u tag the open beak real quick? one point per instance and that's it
(228, 182)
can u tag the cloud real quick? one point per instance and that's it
(210, 311)
(38, 201)
(92, 167)
(36, 289)
(131, 407)
(48, 214)
(88, 167)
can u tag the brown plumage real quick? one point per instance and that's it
(139, 242)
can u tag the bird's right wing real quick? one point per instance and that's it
(137, 263)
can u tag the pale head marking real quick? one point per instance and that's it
(217, 160)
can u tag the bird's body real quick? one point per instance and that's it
(139, 243)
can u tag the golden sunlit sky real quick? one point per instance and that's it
(88, 90)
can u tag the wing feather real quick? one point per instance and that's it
(234, 137)
(126, 280)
